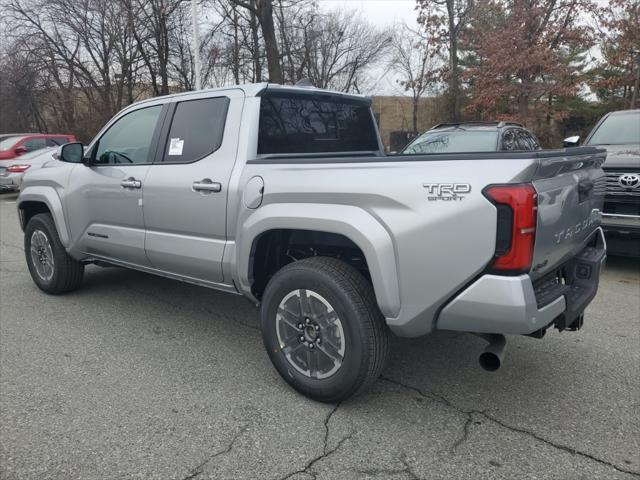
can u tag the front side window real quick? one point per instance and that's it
(196, 129)
(509, 141)
(313, 123)
(128, 140)
(453, 141)
(620, 129)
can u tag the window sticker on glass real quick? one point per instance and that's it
(175, 146)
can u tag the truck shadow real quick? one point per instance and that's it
(443, 363)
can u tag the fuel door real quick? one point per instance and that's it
(253, 191)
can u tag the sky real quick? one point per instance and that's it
(381, 13)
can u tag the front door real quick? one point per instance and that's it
(105, 199)
(185, 193)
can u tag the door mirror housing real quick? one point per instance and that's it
(70, 153)
(571, 141)
(20, 150)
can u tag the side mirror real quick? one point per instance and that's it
(571, 142)
(70, 152)
(20, 150)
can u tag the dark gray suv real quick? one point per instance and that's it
(474, 137)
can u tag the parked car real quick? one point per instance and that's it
(473, 137)
(619, 133)
(285, 195)
(13, 146)
(12, 173)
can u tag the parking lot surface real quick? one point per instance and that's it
(136, 376)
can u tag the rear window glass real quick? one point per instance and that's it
(9, 142)
(311, 123)
(196, 130)
(618, 129)
(457, 141)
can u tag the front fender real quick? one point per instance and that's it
(49, 197)
(352, 222)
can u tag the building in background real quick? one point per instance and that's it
(395, 119)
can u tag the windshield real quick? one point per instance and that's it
(618, 129)
(7, 143)
(455, 141)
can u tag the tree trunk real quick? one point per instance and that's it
(416, 99)
(257, 67)
(236, 47)
(454, 82)
(265, 17)
(636, 87)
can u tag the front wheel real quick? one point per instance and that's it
(322, 328)
(51, 267)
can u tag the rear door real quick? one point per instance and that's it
(186, 190)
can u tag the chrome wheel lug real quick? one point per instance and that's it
(307, 321)
(301, 338)
(316, 327)
(318, 341)
(311, 345)
(300, 326)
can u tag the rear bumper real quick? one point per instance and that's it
(515, 305)
(9, 183)
(621, 223)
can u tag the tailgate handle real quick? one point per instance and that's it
(584, 190)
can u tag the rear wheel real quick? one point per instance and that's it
(322, 328)
(51, 267)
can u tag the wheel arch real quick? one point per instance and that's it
(39, 199)
(354, 224)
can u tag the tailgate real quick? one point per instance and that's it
(571, 188)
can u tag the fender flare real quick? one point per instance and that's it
(48, 196)
(353, 222)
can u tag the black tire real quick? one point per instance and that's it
(67, 272)
(351, 296)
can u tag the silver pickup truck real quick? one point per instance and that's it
(284, 195)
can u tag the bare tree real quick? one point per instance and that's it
(415, 60)
(262, 10)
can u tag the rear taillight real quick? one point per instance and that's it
(517, 207)
(18, 168)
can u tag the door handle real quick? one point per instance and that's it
(131, 183)
(206, 185)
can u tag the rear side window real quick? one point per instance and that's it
(196, 129)
(314, 123)
(509, 141)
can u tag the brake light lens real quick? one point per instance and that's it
(517, 207)
(18, 168)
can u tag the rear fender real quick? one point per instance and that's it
(49, 197)
(352, 222)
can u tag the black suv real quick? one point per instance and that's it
(619, 133)
(473, 137)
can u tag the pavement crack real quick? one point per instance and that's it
(198, 469)
(326, 452)
(469, 413)
(465, 433)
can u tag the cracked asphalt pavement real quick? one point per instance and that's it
(136, 376)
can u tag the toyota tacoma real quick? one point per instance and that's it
(284, 194)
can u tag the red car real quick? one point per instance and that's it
(12, 146)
